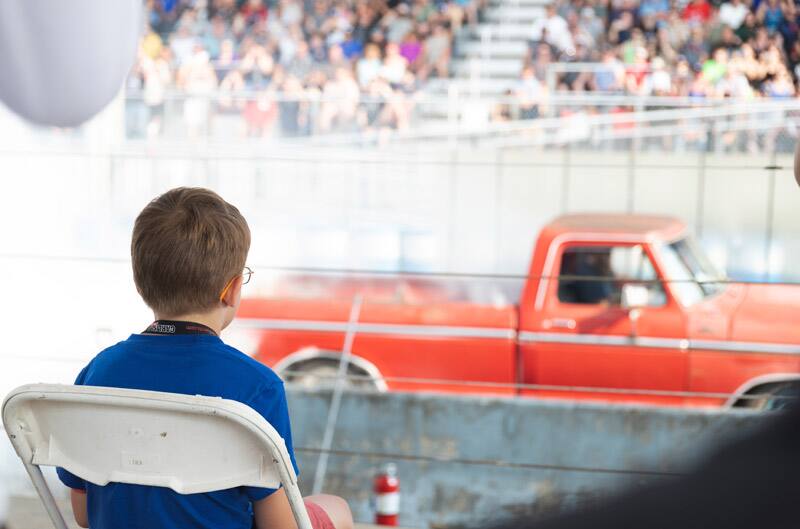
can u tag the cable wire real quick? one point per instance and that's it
(485, 462)
(412, 273)
(538, 387)
(259, 157)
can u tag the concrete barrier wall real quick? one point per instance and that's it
(557, 455)
(467, 210)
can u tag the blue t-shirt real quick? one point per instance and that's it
(194, 364)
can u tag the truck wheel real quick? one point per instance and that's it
(771, 397)
(321, 374)
(782, 397)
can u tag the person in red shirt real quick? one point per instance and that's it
(697, 12)
(254, 11)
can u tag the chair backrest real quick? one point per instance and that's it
(189, 444)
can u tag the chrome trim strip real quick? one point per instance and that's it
(664, 343)
(746, 347)
(439, 331)
(602, 339)
(447, 331)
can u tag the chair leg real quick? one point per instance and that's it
(40, 484)
(298, 507)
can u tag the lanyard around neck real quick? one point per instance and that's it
(173, 328)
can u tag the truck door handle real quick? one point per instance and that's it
(559, 323)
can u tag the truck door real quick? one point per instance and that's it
(583, 340)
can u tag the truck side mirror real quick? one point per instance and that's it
(634, 296)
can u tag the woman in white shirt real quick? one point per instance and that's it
(732, 13)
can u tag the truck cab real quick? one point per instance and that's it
(683, 340)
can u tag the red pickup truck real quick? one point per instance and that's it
(614, 307)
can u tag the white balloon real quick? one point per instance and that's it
(62, 61)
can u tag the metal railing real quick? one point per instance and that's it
(606, 122)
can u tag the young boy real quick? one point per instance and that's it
(188, 250)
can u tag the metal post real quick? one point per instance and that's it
(566, 171)
(636, 140)
(551, 78)
(486, 39)
(452, 115)
(631, 175)
(452, 210)
(498, 209)
(701, 189)
(40, 484)
(336, 399)
(770, 215)
(475, 76)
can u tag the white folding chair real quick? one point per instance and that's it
(188, 444)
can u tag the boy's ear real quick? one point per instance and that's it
(232, 295)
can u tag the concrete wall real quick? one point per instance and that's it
(627, 446)
(557, 455)
(469, 210)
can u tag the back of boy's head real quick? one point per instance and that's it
(187, 245)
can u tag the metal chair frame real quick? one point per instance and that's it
(190, 444)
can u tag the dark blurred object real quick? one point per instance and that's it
(797, 164)
(750, 483)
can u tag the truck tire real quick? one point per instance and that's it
(321, 374)
(771, 397)
(782, 397)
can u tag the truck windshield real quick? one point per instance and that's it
(692, 275)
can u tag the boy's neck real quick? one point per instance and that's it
(214, 320)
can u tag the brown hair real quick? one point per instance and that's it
(187, 245)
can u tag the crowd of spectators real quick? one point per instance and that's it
(299, 67)
(291, 67)
(698, 50)
(686, 48)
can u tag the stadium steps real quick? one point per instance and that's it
(488, 58)
(493, 67)
(519, 3)
(500, 49)
(504, 14)
(512, 30)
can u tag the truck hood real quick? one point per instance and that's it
(767, 313)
